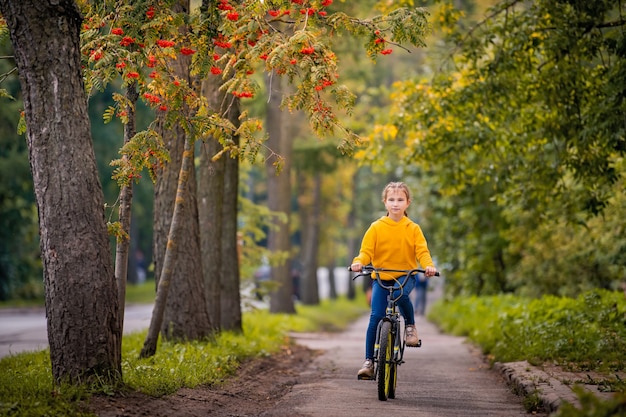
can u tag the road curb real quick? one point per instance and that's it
(529, 381)
(550, 386)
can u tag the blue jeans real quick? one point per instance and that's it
(421, 287)
(379, 307)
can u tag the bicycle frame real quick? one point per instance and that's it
(389, 331)
(392, 315)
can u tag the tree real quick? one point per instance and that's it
(279, 199)
(81, 293)
(124, 40)
(230, 303)
(211, 193)
(310, 213)
(218, 180)
(521, 128)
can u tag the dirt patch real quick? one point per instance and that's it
(256, 388)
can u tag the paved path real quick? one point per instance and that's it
(443, 378)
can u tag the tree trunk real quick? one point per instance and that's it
(218, 206)
(231, 297)
(352, 240)
(332, 281)
(197, 328)
(221, 249)
(279, 197)
(210, 203)
(185, 316)
(82, 306)
(310, 242)
(124, 212)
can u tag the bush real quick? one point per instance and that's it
(587, 332)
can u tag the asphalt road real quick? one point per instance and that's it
(24, 330)
(443, 378)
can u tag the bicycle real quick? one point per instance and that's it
(389, 345)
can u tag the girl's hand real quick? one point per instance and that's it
(356, 267)
(430, 271)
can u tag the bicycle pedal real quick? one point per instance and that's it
(364, 378)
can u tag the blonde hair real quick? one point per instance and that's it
(397, 186)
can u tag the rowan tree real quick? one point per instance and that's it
(137, 43)
(283, 39)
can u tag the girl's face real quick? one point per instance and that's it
(396, 203)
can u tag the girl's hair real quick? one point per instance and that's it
(397, 186)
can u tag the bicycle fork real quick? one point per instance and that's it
(398, 349)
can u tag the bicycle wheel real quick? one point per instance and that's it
(385, 361)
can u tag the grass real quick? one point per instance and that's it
(585, 333)
(27, 388)
(140, 293)
(135, 294)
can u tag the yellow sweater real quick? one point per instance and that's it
(394, 245)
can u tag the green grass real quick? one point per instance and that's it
(27, 388)
(135, 294)
(140, 293)
(586, 333)
(22, 304)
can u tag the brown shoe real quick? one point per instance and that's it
(410, 335)
(367, 370)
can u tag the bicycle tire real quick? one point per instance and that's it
(393, 377)
(385, 361)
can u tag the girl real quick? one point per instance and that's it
(394, 242)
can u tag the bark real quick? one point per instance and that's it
(279, 197)
(210, 202)
(82, 306)
(124, 212)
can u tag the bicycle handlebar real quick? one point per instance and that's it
(369, 269)
(400, 280)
